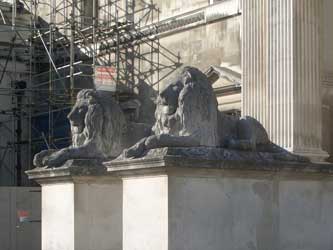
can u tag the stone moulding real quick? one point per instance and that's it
(192, 19)
(72, 169)
(166, 159)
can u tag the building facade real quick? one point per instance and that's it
(269, 59)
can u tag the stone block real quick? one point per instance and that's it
(81, 207)
(181, 203)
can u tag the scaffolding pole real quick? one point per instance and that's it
(80, 36)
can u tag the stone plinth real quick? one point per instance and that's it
(173, 202)
(81, 207)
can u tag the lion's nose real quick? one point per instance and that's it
(69, 116)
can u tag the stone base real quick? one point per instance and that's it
(173, 203)
(81, 207)
(270, 154)
(315, 155)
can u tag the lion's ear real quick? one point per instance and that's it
(91, 96)
(92, 100)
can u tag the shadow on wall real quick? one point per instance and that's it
(327, 118)
(147, 96)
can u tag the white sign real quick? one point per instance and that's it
(106, 78)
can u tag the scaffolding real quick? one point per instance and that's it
(65, 42)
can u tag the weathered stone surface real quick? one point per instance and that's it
(71, 169)
(188, 203)
(99, 131)
(81, 206)
(176, 193)
(219, 156)
(187, 116)
(244, 133)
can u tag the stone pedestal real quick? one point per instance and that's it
(281, 71)
(81, 207)
(173, 203)
(180, 198)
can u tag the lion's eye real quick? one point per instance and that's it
(81, 110)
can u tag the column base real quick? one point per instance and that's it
(316, 155)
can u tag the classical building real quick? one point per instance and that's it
(283, 52)
(271, 59)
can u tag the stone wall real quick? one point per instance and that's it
(213, 44)
(175, 7)
(17, 232)
(255, 212)
(15, 71)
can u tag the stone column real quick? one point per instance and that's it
(281, 71)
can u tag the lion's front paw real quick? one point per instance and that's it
(152, 141)
(41, 156)
(38, 160)
(56, 159)
(132, 152)
(135, 151)
(128, 153)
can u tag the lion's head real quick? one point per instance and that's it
(188, 107)
(97, 118)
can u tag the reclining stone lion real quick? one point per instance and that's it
(99, 131)
(187, 116)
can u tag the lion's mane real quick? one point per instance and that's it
(105, 123)
(196, 114)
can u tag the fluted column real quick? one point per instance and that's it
(281, 71)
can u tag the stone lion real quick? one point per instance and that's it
(99, 131)
(187, 116)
